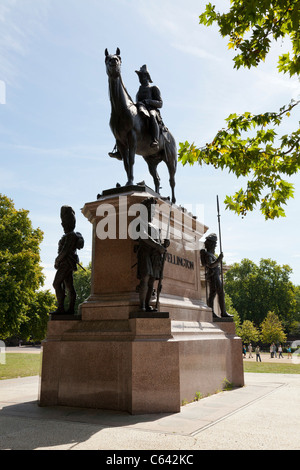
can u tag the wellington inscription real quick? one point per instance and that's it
(179, 261)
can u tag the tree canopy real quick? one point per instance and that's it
(272, 329)
(20, 271)
(249, 332)
(249, 145)
(82, 284)
(257, 289)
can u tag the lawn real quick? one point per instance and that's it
(273, 368)
(23, 365)
(20, 365)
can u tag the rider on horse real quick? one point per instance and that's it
(148, 103)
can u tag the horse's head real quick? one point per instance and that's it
(113, 63)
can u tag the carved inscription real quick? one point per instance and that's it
(179, 261)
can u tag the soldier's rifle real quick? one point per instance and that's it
(220, 241)
(221, 251)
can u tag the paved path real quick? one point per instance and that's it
(24, 349)
(265, 357)
(265, 414)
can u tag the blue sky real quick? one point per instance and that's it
(54, 131)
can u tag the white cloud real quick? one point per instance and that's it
(20, 23)
(275, 83)
(194, 50)
(179, 23)
(49, 277)
(88, 152)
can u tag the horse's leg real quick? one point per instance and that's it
(172, 184)
(123, 149)
(131, 157)
(152, 165)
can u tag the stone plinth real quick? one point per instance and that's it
(127, 365)
(113, 356)
(234, 364)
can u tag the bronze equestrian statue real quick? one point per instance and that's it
(137, 127)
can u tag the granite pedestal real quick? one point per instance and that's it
(112, 356)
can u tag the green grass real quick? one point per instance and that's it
(20, 365)
(276, 368)
(24, 365)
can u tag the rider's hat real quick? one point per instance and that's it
(144, 70)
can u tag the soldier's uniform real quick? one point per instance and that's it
(66, 261)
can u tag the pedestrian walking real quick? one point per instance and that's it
(257, 352)
(273, 350)
(244, 351)
(280, 352)
(250, 350)
(289, 351)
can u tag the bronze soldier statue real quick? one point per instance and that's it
(150, 257)
(67, 260)
(213, 274)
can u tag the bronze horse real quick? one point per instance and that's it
(131, 130)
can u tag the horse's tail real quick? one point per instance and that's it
(170, 158)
